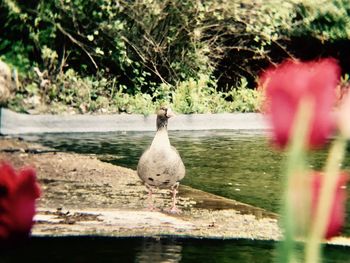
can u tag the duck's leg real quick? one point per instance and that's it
(151, 206)
(174, 209)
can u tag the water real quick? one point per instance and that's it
(237, 165)
(142, 250)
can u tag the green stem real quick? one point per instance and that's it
(295, 169)
(326, 198)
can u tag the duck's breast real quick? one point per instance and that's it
(161, 167)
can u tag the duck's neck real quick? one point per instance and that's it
(161, 138)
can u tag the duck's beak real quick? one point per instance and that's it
(170, 113)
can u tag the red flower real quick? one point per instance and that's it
(18, 192)
(337, 212)
(290, 82)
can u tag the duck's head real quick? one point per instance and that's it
(163, 114)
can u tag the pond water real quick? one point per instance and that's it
(143, 250)
(238, 165)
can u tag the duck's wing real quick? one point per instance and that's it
(179, 166)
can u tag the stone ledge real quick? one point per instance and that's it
(18, 123)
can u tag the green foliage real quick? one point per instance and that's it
(97, 94)
(17, 55)
(245, 100)
(201, 97)
(327, 20)
(132, 56)
(198, 96)
(143, 43)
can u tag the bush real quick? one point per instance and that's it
(245, 100)
(101, 55)
(328, 21)
(142, 43)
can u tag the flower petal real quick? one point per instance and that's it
(290, 83)
(337, 213)
(18, 193)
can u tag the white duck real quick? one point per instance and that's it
(160, 166)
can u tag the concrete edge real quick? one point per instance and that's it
(18, 123)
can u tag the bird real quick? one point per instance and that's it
(161, 166)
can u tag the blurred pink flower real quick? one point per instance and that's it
(290, 82)
(18, 192)
(337, 212)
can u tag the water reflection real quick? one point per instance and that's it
(87, 249)
(159, 250)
